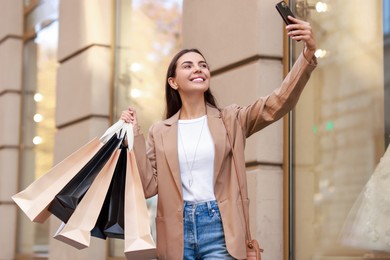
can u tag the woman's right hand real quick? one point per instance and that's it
(130, 116)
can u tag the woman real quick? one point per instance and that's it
(187, 159)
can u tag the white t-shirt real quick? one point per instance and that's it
(196, 159)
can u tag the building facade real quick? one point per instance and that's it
(68, 68)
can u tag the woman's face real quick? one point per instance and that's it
(192, 74)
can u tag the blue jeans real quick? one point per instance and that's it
(203, 232)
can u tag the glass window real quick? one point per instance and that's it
(339, 127)
(38, 124)
(386, 17)
(148, 34)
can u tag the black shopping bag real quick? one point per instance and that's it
(110, 222)
(66, 201)
(115, 225)
(98, 230)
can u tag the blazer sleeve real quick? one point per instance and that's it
(146, 161)
(268, 109)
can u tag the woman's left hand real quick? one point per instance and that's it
(301, 31)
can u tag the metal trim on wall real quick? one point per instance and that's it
(288, 158)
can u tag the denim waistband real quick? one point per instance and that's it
(199, 205)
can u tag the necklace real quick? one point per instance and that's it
(190, 166)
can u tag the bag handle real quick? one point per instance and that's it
(247, 229)
(114, 129)
(120, 128)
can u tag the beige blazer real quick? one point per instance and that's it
(159, 166)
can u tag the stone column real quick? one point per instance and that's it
(243, 43)
(11, 47)
(83, 93)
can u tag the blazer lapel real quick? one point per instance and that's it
(218, 132)
(169, 139)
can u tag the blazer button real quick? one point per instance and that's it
(179, 209)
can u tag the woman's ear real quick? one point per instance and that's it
(172, 83)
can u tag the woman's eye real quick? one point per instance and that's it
(204, 66)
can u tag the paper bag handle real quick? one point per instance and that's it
(120, 128)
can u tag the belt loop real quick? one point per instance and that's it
(209, 208)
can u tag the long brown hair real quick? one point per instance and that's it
(172, 97)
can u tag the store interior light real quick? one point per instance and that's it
(321, 7)
(320, 53)
(135, 67)
(38, 118)
(38, 97)
(37, 140)
(135, 93)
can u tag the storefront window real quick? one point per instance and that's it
(38, 125)
(339, 125)
(148, 34)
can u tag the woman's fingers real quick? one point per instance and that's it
(302, 30)
(129, 116)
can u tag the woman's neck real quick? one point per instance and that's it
(191, 110)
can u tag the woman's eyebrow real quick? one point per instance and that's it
(184, 62)
(190, 62)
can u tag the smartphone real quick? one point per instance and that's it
(284, 11)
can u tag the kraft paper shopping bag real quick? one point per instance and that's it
(139, 243)
(34, 200)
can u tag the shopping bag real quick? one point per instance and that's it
(139, 243)
(77, 231)
(114, 227)
(35, 199)
(66, 201)
(98, 229)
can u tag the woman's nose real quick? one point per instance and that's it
(197, 68)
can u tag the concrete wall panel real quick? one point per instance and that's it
(11, 18)
(71, 138)
(233, 30)
(269, 210)
(84, 23)
(11, 64)
(9, 119)
(9, 173)
(8, 228)
(83, 85)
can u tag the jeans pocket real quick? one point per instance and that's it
(215, 213)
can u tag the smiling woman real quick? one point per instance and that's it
(188, 160)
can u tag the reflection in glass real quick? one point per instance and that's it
(148, 34)
(339, 125)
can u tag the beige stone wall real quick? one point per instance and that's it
(243, 43)
(83, 93)
(11, 32)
